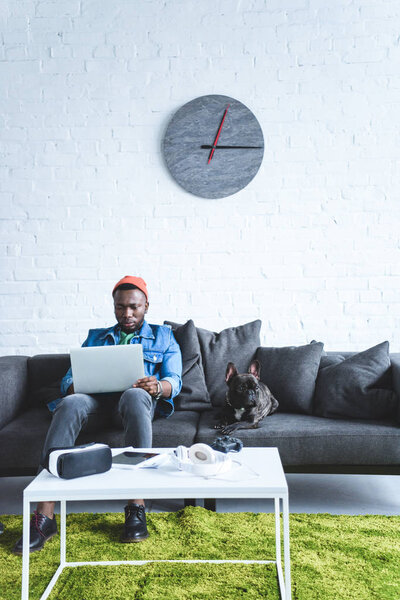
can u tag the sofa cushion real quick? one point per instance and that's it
(13, 386)
(290, 373)
(194, 394)
(167, 433)
(357, 387)
(235, 344)
(395, 372)
(22, 440)
(310, 440)
(180, 429)
(46, 394)
(45, 372)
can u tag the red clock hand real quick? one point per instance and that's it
(217, 136)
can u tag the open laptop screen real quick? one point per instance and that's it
(100, 369)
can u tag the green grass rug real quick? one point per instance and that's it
(332, 557)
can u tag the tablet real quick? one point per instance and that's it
(133, 458)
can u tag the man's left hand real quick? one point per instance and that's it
(148, 383)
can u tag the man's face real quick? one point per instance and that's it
(130, 306)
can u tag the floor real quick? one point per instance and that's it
(310, 493)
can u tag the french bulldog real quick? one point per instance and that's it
(247, 400)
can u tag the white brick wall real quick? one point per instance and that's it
(311, 246)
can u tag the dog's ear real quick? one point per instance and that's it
(255, 369)
(231, 371)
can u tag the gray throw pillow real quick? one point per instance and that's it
(45, 372)
(46, 394)
(329, 360)
(290, 373)
(357, 387)
(194, 394)
(235, 344)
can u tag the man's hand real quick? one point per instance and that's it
(149, 384)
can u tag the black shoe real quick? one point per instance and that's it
(41, 529)
(135, 529)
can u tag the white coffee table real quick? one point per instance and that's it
(260, 476)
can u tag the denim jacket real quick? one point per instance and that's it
(161, 353)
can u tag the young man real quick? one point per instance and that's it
(137, 406)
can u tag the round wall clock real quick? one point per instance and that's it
(213, 146)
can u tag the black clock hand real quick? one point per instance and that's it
(207, 147)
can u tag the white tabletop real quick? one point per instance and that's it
(259, 474)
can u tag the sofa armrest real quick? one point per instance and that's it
(395, 362)
(13, 386)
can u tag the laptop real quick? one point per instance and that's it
(101, 369)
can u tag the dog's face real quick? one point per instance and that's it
(243, 390)
(247, 400)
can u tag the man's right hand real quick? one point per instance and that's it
(70, 390)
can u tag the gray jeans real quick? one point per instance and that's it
(135, 408)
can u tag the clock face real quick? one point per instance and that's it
(213, 146)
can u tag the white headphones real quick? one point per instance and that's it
(201, 459)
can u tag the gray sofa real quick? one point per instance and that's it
(306, 440)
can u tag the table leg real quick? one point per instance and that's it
(25, 550)
(278, 552)
(286, 547)
(63, 537)
(63, 548)
(277, 531)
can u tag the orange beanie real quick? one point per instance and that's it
(136, 281)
